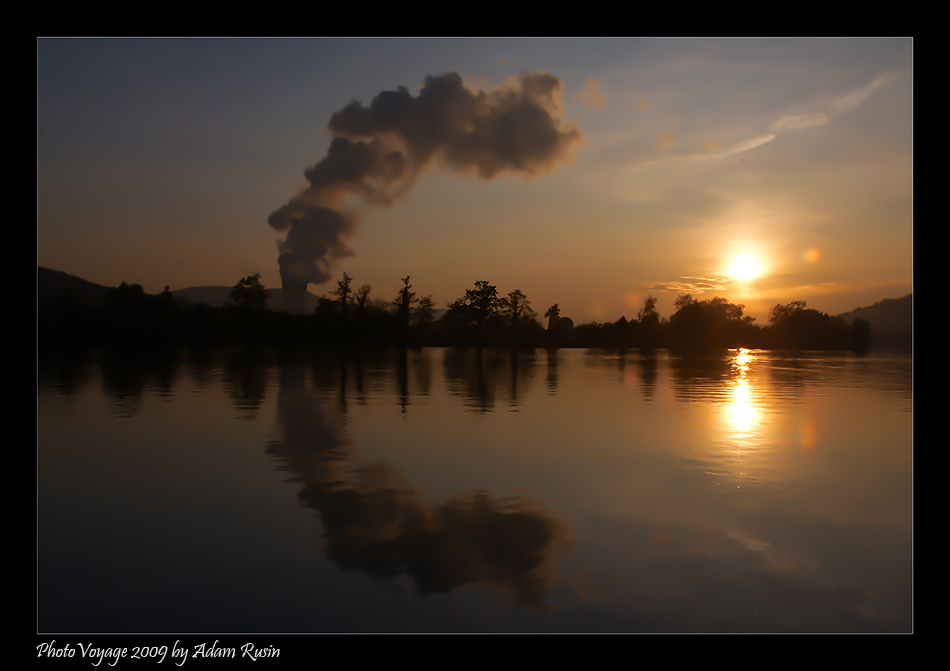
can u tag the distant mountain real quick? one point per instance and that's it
(891, 320)
(212, 296)
(217, 297)
(54, 287)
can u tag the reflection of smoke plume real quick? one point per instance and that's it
(375, 522)
(379, 152)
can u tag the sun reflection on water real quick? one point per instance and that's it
(742, 361)
(741, 415)
(741, 411)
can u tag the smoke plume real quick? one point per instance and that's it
(379, 152)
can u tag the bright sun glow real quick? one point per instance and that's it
(745, 268)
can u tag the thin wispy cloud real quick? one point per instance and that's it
(853, 100)
(801, 121)
(690, 285)
(841, 105)
(789, 123)
(737, 148)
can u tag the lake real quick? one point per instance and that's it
(444, 490)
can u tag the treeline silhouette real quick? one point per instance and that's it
(481, 317)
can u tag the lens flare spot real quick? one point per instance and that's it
(812, 255)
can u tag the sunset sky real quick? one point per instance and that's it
(161, 161)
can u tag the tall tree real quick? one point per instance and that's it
(249, 292)
(478, 305)
(424, 310)
(361, 295)
(471, 315)
(343, 291)
(404, 302)
(648, 312)
(648, 324)
(518, 308)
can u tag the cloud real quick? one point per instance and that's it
(746, 145)
(801, 121)
(690, 285)
(665, 140)
(592, 97)
(853, 100)
(714, 151)
(841, 105)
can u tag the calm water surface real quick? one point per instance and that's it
(457, 491)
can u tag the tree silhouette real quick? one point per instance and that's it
(648, 324)
(424, 310)
(478, 305)
(560, 329)
(795, 326)
(343, 291)
(648, 312)
(404, 302)
(780, 313)
(470, 317)
(361, 295)
(710, 324)
(683, 300)
(249, 292)
(523, 327)
(518, 308)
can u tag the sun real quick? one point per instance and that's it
(745, 267)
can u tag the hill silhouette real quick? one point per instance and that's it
(54, 286)
(219, 296)
(891, 320)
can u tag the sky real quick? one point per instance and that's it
(587, 172)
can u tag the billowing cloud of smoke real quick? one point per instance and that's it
(379, 152)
